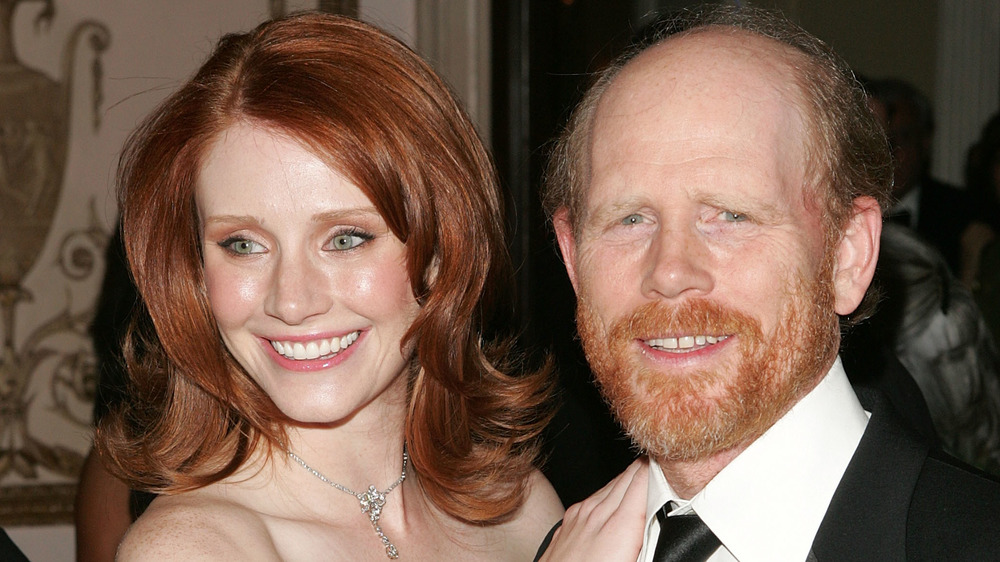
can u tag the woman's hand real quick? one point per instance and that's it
(607, 526)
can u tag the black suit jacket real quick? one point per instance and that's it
(901, 500)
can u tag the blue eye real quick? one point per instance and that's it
(242, 246)
(349, 240)
(730, 216)
(633, 219)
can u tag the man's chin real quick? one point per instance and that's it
(687, 429)
(696, 414)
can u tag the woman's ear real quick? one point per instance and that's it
(857, 255)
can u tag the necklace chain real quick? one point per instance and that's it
(371, 500)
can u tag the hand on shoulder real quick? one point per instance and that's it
(191, 526)
(608, 525)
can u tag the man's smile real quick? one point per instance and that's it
(684, 343)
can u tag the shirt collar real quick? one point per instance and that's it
(768, 503)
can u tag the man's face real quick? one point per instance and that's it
(706, 301)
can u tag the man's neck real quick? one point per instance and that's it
(688, 477)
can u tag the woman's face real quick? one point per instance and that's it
(307, 283)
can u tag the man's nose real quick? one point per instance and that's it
(299, 290)
(677, 264)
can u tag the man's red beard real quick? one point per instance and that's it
(689, 416)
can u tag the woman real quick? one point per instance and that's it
(315, 230)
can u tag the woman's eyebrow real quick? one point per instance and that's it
(340, 214)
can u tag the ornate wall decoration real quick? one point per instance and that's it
(34, 130)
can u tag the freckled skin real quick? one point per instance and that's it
(697, 193)
(293, 251)
(696, 187)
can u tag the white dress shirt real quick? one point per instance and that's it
(767, 504)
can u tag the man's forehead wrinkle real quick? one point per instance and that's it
(636, 116)
(710, 187)
(706, 124)
(609, 158)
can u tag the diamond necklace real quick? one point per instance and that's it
(371, 500)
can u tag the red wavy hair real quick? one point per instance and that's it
(377, 113)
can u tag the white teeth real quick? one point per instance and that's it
(684, 342)
(665, 343)
(315, 349)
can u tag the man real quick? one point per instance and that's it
(938, 212)
(717, 200)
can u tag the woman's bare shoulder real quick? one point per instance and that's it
(541, 510)
(197, 526)
(542, 502)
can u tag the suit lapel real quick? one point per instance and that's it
(867, 516)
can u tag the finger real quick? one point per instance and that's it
(606, 526)
(621, 485)
(603, 503)
(615, 485)
(633, 504)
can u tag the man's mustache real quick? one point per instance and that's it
(693, 317)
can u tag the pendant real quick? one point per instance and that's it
(372, 502)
